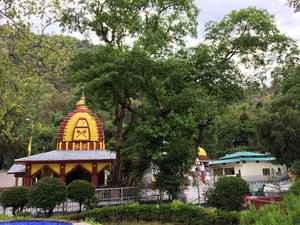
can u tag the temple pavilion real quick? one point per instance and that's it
(80, 152)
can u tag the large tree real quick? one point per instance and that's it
(155, 107)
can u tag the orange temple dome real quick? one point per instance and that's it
(81, 130)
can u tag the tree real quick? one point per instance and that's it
(228, 193)
(15, 197)
(31, 69)
(154, 105)
(154, 25)
(81, 191)
(279, 127)
(295, 4)
(47, 193)
(296, 168)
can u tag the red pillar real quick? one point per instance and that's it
(95, 175)
(62, 175)
(27, 177)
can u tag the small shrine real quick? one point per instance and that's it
(80, 152)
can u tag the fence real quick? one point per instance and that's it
(105, 197)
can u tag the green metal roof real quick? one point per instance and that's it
(244, 154)
(238, 160)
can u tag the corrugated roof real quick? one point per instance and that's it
(238, 160)
(244, 154)
(70, 155)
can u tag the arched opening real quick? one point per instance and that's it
(44, 172)
(78, 173)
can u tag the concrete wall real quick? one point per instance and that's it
(7, 180)
(253, 171)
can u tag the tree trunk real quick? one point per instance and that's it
(118, 173)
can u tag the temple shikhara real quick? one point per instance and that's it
(80, 152)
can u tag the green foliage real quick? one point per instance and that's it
(295, 188)
(155, 25)
(177, 212)
(15, 197)
(228, 193)
(81, 191)
(279, 128)
(296, 168)
(276, 214)
(47, 193)
(4, 217)
(295, 4)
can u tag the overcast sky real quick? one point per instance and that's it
(287, 21)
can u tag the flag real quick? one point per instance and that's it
(29, 146)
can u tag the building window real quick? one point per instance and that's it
(266, 171)
(218, 172)
(229, 171)
(279, 171)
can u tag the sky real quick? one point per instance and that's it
(287, 21)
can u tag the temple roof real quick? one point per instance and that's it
(16, 168)
(76, 155)
(81, 130)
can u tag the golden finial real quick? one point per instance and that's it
(81, 103)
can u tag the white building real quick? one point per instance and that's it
(250, 166)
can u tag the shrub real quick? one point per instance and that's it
(15, 197)
(228, 193)
(286, 213)
(295, 188)
(47, 193)
(296, 168)
(177, 212)
(81, 191)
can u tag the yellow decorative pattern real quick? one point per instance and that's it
(76, 118)
(70, 166)
(101, 166)
(36, 167)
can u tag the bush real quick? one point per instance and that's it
(286, 213)
(15, 197)
(176, 212)
(295, 188)
(296, 168)
(81, 191)
(228, 193)
(47, 193)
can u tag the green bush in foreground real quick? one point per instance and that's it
(287, 213)
(81, 191)
(176, 212)
(47, 193)
(15, 197)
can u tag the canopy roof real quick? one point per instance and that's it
(243, 156)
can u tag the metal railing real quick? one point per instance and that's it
(105, 197)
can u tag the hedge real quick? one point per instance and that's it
(175, 212)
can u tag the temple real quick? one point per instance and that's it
(80, 152)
